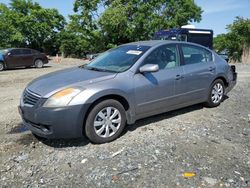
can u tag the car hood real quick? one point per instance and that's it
(53, 82)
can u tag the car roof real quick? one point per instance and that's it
(152, 43)
(21, 49)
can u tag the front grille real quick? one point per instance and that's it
(30, 98)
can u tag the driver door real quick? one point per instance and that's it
(155, 91)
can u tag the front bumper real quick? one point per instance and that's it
(64, 122)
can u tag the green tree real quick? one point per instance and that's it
(29, 25)
(125, 21)
(106, 23)
(236, 40)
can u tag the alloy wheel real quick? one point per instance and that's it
(217, 93)
(107, 122)
(39, 63)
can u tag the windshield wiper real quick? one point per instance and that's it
(96, 69)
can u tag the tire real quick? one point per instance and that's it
(216, 93)
(38, 63)
(110, 119)
(1, 66)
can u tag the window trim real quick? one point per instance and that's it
(170, 44)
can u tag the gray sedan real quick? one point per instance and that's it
(122, 85)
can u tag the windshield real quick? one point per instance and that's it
(4, 51)
(117, 60)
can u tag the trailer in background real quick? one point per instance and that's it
(187, 33)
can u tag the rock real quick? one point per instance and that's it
(114, 178)
(21, 158)
(30, 172)
(84, 161)
(33, 145)
(210, 181)
(230, 180)
(236, 172)
(42, 181)
(157, 151)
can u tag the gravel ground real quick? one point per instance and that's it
(190, 147)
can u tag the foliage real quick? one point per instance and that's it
(27, 24)
(96, 25)
(236, 40)
(105, 23)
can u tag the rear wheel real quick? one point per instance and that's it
(216, 93)
(105, 122)
(38, 63)
(1, 66)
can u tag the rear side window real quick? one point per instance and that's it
(26, 51)
(194, 54)
(35, 52)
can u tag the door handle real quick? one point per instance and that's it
(178, 77)
(211, 68)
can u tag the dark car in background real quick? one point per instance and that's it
(21, 57)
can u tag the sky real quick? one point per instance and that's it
(217, 14)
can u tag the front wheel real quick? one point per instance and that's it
(105, 122)
(38, 63)
(216, 93)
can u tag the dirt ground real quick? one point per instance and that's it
(211, 145)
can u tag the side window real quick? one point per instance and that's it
(26, 52)
(193, 55)
(35, 52)
(165, 56)
(16, 52)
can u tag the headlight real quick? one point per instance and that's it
(62, 98)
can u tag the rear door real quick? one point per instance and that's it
(27, 58)
(199, 72)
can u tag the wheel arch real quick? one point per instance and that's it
(124, 102)
(226, 83)
(37, 58)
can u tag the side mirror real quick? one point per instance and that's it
(149, 68)
(8, 54)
